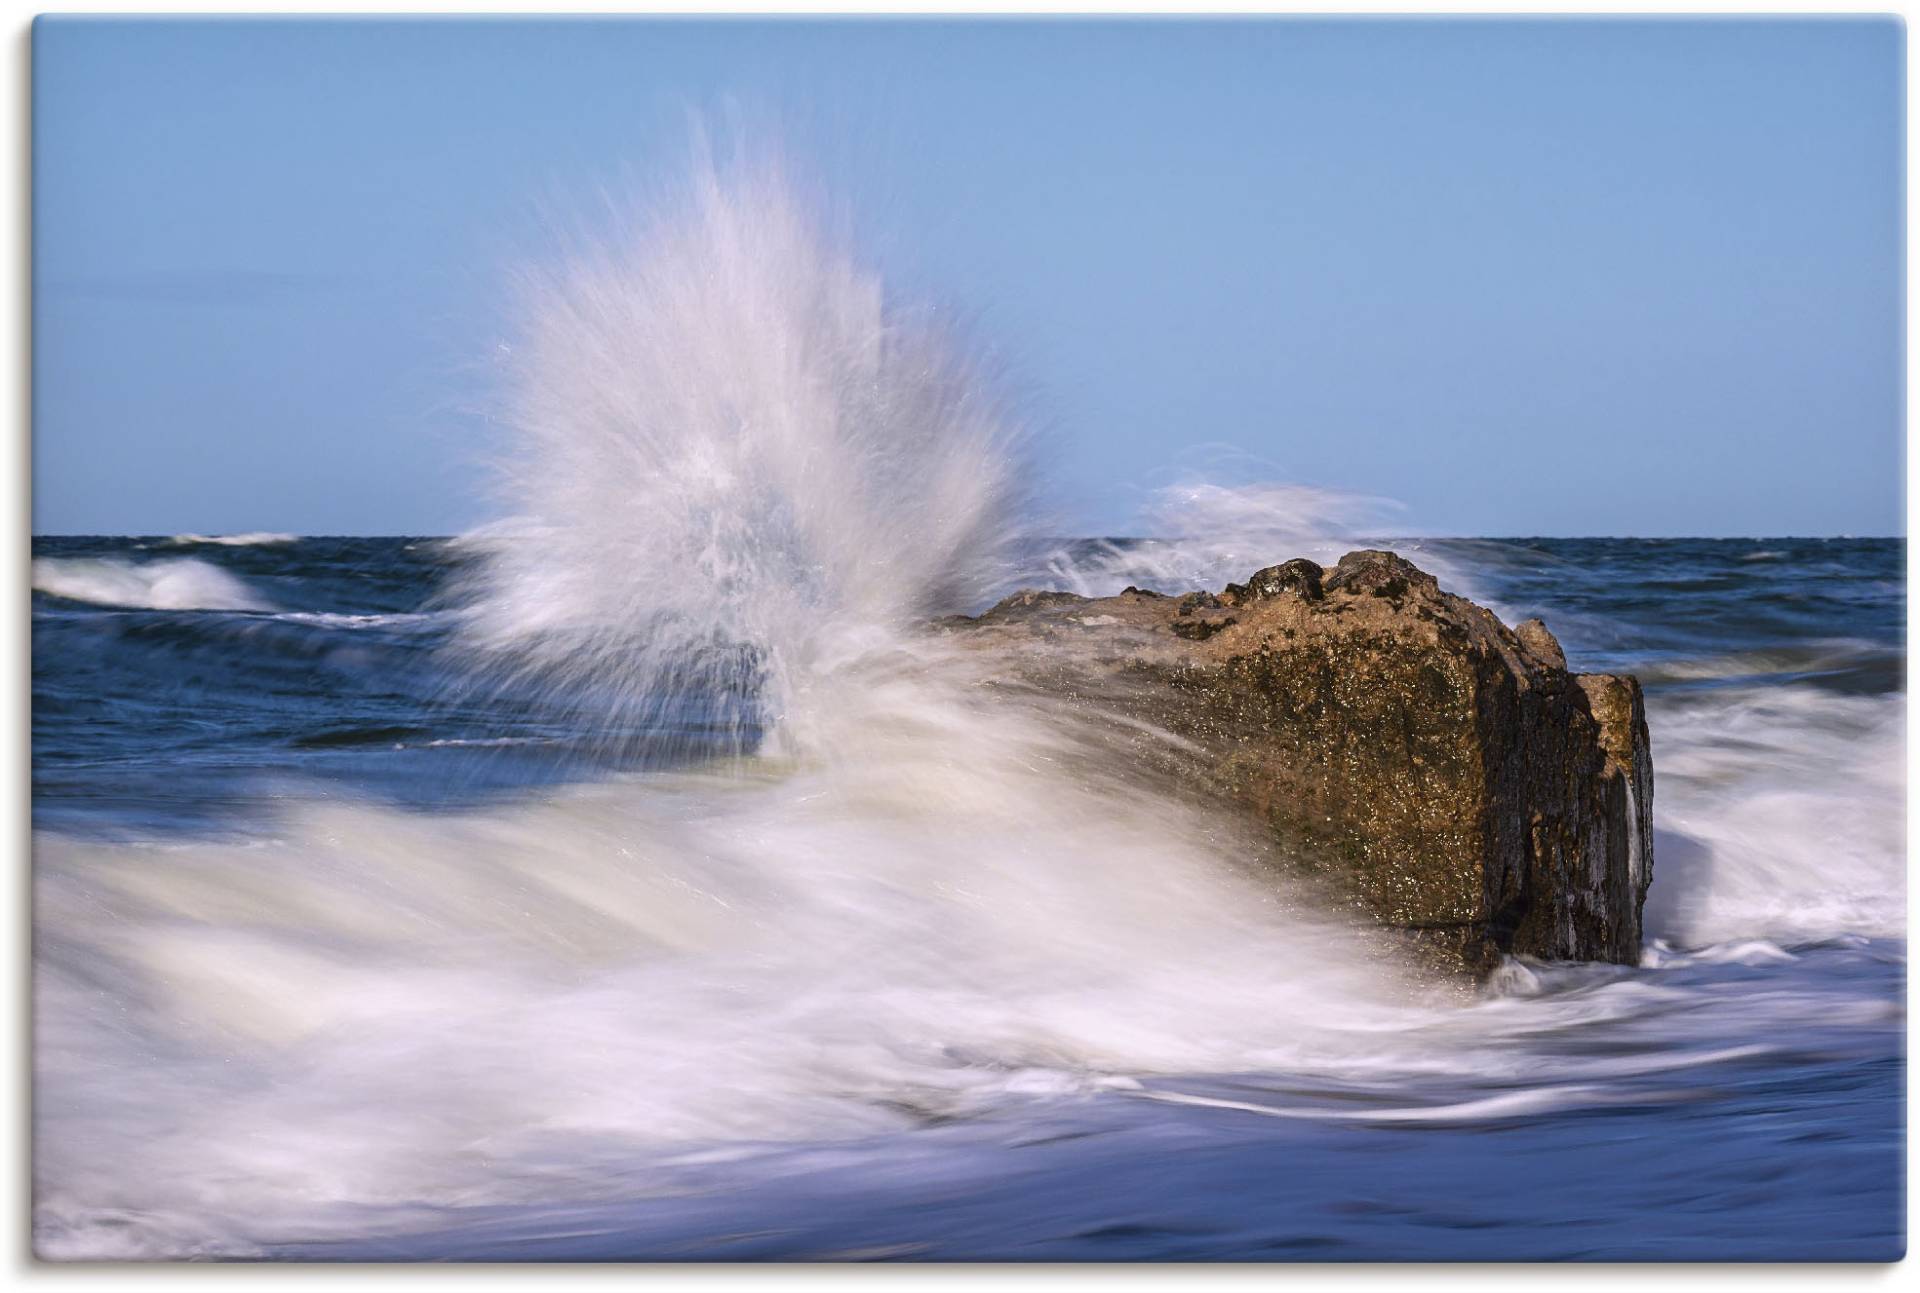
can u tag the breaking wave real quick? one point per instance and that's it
(1780, 815)
(1204, 534)
(251, 539)
(172, 584)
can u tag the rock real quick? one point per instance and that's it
(1534, 635)
(1422, 762)
(1296, 576)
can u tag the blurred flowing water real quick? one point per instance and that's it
(341, 956)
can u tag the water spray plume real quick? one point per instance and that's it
(736, 456)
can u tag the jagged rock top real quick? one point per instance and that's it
(1369, 591)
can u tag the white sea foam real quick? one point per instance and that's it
(1832, 655)
(170, 584)
(946, 903)
(251, 539)
(1778, 814)
(1207, 534)
(345, 620)
(935, 914)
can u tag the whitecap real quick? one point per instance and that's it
(251, 539)
(172, 584)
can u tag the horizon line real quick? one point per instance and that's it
(188, 537)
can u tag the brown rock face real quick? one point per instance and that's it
(1438, 771)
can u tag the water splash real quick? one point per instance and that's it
(1204, 534)
(1780, 814)
(739, 458)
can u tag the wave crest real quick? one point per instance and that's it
(174, 584)
(251, 539)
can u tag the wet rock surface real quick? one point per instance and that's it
(1417, 759)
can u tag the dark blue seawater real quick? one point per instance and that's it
(1737, 1097)
(155, 720)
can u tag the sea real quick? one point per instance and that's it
(361, 934)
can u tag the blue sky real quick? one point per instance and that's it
(1556, 277)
